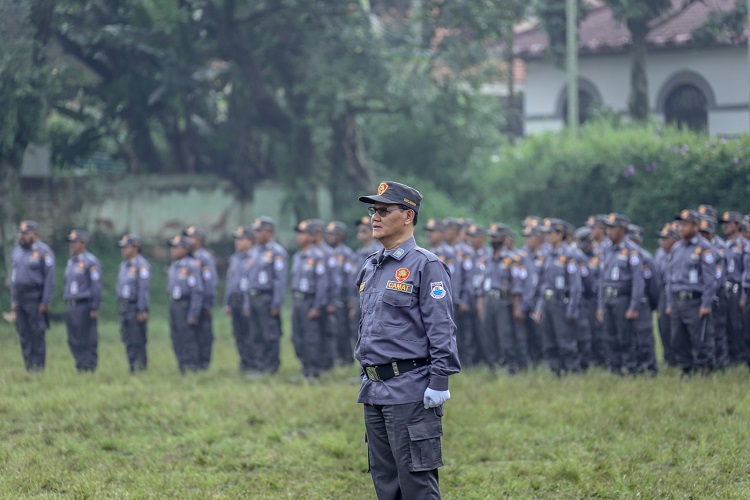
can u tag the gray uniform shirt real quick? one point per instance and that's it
(310, 276)
(269, 271)
(207, 265)
(560, 276)
(184, 283)
(83, 279)
(134, 282)
(692, 268)
(621, 268)
(33, 267)
(238, 277)
(407, 313)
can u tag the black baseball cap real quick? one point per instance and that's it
(395, 193)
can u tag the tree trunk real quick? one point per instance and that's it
(10, 198)
(348, 157)
(638, 100)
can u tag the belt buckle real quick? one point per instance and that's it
(372, 373)
(549, 294)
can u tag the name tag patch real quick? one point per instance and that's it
(399, 287)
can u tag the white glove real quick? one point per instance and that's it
(434, 398)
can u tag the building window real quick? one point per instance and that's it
(687, 106)
(586, 103)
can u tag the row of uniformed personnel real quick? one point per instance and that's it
(582, 297)
(324, 301)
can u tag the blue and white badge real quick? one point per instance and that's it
(572, 268)
(647, 273)
(634, 260)
(437, 290)
(523, 273)
(320, 268)
(468, 264)
(144, 273)
(279, 263)
(207, 274)
(95, 275)
(48, 260)
(584, 271)
(708, 257)
(191, 281)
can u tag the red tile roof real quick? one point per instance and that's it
(600, 32)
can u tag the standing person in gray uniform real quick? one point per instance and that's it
(646, 347)
(207, 265)
(736, 247)
(83, 296)
(237, 296)
(691, 289)
(185, 288)
(587, 316)
(134, 297)
(534, 248)
(621, 290)
(668, 236)
(267, 290)
(406, 347)
(344, 291)
(558, 309)
(717, 324)
(309, 300)
(329, 314)
(32, 283)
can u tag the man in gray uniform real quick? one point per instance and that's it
(716, 332)
(343, 290)
(83, 296)
(691, 287)
(267, 289)
(736, 247)
(185, 288)
(534, 252)
(196, 238)
(32, 283)
(237, 296)
(621, 290)
(309, 300)
(558, 309)
(646, 348)
(668, 236)
(134, 296)
(406, 347)
(505, 337)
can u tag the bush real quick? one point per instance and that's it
(647, 172)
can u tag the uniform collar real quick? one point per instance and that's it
(403, 249)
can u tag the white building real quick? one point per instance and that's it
(704, 88)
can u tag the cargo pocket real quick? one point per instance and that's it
(425, 446)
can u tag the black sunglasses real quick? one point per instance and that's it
(382, 211)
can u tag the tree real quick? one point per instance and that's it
(24, 29)
(640, 17)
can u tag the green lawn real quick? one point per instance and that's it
(159, 434)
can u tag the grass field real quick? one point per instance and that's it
(216, 435)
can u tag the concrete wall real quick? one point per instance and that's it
(723, 71)
(156, 207)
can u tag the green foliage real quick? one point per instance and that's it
(722, 26)
(647, 172)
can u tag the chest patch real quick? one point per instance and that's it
(402, 274)
(399, 287)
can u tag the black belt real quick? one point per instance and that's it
(258, 293)
(612, 292)
(499, 294)
(302, 295)
(380, 373)
(75, 302)
(687, 295)
(28, 288)
(127, 302)
(732, 287)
